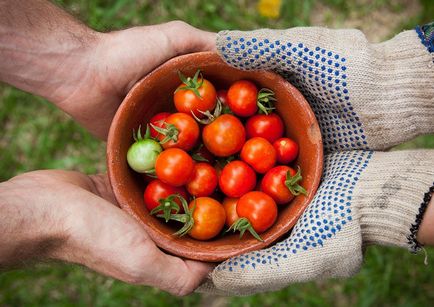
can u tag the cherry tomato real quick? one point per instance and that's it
(278, 185)
(286, 150)
(225, 136)
(157, 190)
(269, 127)
(194, 95)
(158, 121)
(237, 178)
(143, 153)
(259, 154)
(259, 208)
(209, 218)
(242, 98)
(204, 180)
(230, 205)
(174, 166)
(181, 131)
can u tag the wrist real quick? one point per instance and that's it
(71, 70)
(28, 228)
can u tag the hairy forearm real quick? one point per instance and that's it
(42, 48)
(27, 230)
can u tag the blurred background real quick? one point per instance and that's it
(37, 136)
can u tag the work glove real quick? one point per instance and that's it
(366, 97)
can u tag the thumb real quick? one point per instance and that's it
(259, 49)
(313, 52)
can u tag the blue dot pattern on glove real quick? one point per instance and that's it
(328, 213)
(320, 75)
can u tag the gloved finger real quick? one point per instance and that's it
(293, 50)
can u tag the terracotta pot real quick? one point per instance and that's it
(153, 94)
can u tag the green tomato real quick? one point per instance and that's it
(143, 153)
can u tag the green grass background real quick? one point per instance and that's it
(34, 135)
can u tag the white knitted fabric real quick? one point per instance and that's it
(365, 198)
(365, 96)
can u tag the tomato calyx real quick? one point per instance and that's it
(291, 183)
(265, 101)
(186, 218)
(138, 137)
(209, 118)
(192, 84)
(170, 132)
(243, 224)
(167, 206)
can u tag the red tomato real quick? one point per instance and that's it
(237, 178)
(259, 208)
(276, 185)
(286, 150)
(204, 180)
(187, 101)
(259, 154)
(174, 166)
(269, 127)
(158, 120)
(157, 190)
(242, 98)
(225, 136)
(230, 205)
(182, 131)
(209, 218)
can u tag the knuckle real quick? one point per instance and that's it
(178, 24)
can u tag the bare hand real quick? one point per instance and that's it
(118, 60)
(72, 217)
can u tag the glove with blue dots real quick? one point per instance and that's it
(366, 97)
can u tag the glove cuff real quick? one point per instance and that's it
(392, 195)
(426, 35)
(396, 96)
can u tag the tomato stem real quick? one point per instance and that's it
(167, 205)
(170, 132)
(243, 224)
(192, 84)
(265, 101)
(186, 218)
(291, 183)
(138, 137)
(209, 117)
